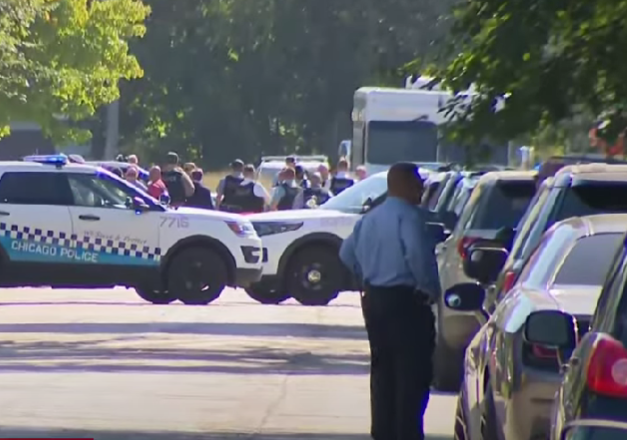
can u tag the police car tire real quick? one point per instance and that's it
(206, 261)
(327, 259)
(265, 295)
(155, 296)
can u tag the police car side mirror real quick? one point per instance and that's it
(137, 204)
(164, 199)
(367, 205)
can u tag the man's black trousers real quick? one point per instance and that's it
(401, 332)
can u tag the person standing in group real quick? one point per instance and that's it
(262, 198)
(202, 195)
(132, 176)
(393, 256)
(156, 187)
(178, 183)
(189, 167)
(341, 180)
(238, 194)
(301, 176)
(314, 195)
(323, 169)
(133, 159)
(361, 173)
(290, 162)
(285, 193)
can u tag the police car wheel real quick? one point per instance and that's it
(315, 275)
(197, 275)
(266, 295)
(155, 296)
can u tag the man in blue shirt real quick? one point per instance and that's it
(392, 254)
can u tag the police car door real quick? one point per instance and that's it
(109, 230)
(35, 224)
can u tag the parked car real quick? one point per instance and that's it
(502, 365)
(449, 213)
(574, 191)
(594, 429)
(595, 379)
(432, 187)
(499, 200)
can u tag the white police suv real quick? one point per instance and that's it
(301, 246)
(76, 225)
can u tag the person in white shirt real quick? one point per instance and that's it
(342, 179)
(325, 177)
(258, 189)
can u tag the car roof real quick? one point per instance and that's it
(592, 170)
(35, 166)
(508, 175)
(597, 224)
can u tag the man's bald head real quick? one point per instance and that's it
(404, 182)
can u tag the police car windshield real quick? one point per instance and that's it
(352, 199)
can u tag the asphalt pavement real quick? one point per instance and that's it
(103, 364)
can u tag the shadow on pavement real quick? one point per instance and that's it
(140, 303)
(88, 356)
(264, 330)
(130, 435)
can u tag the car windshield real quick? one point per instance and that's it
(589, 260)
(594, 198)
(504, 205)
(352, 199)
(395, 141)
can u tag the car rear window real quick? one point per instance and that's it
(505, 205)
(589, 260)
(594, 198)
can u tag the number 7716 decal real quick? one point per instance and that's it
(174, 222)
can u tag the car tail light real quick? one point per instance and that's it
(541, 352)
(464, 244)
(508, 281)
(607, 369)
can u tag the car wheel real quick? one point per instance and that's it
(460, 420)
(488, 425)
(314, 275)
(447, 376)
(266, 295)
(155, 296)
(197, 275)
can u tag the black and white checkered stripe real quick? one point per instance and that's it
(88, 243)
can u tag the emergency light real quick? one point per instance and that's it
(48, 159)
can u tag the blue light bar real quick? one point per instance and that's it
(49, 159)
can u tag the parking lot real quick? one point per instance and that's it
(104, 364)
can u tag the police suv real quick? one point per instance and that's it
(75, 225)
(301, 246)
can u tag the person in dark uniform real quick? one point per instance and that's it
(238, 194)
(286, 192)
(392, 254)
(178, 183)
(202, 195)
(301, 176)
(315, 195)
(341, 180)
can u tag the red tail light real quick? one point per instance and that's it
(607, 369)
(464, 244)
(508, 281)
(541, 352)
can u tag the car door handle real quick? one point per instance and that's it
(89, 217)
(4, 213)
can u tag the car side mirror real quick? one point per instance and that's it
(367, 205)
(449, 218)
(137, 204)
(164, 199)
(593, 428)
(484, 263)
(551, 328)
(438, 232)
(505, 237)
(466, 297)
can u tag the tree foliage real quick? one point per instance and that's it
(229, 78)
(553, 60)
(62, 59)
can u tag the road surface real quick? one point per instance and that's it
(102, 364)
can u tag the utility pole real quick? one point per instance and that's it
(112, 136)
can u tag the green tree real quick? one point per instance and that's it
(239, 78)
(551, 60)
(61, 60)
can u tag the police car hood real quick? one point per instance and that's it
(206, 213)
(298, 214)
